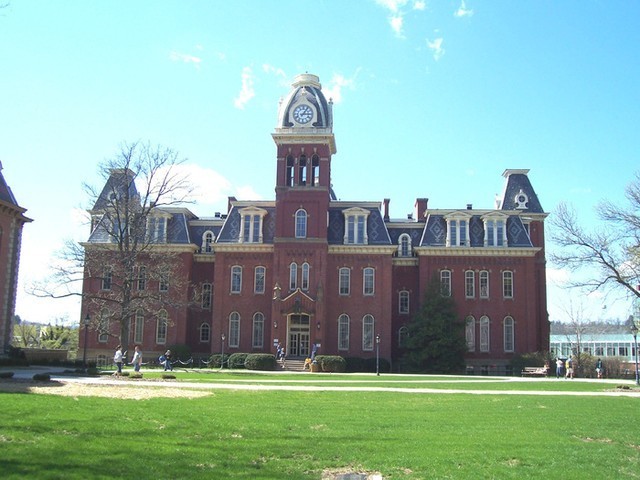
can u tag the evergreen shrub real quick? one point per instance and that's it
(332, 363)
(236, 360)
(260, 361)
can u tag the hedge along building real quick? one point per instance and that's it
(308, 269)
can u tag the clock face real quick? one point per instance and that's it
(302, 114)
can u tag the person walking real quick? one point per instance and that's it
(599, 368)
(117, 359)
(167, 361)
(569, 367)
(136, 361)
(559, 367)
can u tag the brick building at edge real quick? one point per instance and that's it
(307, 269)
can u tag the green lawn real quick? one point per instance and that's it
(296, 435)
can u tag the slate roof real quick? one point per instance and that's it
(518, 181)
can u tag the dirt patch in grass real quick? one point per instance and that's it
(93, 390)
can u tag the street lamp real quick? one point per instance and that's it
(634, 331)
(223, 337)
(86, 321)
(377, 354)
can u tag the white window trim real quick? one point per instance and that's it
(509, 323)
(256, 290)
(401, 252)
(301, 233)
(493, 240)
(251, 212)
(368, 341)
(373, 281)
(355, 213)
(239, 275)
(453, 223)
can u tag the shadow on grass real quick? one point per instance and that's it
(20, 385)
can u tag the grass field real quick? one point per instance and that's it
(244, 434)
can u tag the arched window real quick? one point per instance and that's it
(104, 325)
(138, 327)
(509, 334)
(207, 242)
(302, 170)
(301, 224)
(258, 330)
(470, 333)
(470, 284)
(403, 302)
(162, 327)
(259, 280)
(236, 279)
(305, 276)
(344, 281)
(293, 276)
(290, 171)
(484, 284)
(403, 336)
(368, 281)
(445, 282)
(404, 246)
(368, 332)
(205, 333)
(484, 334)
(234, 330)
(343, 332)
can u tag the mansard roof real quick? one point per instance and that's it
(306, 88)
(377, 233)
(518, 193)
(121, 183)
(230, 232)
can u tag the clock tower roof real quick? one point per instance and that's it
(306, 106)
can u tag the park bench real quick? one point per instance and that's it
(535, 371)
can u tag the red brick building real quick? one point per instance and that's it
(12, 219)
(307, 269)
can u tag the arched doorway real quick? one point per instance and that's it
(298, 335)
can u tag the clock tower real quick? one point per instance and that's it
(305, 143)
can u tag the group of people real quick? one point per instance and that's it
(565, 368)
(136, 360)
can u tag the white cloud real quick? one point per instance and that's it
(436, 47)
(463, 11)
(270, 69)
(420, 5)
(185, 58)
(396, 22)
(334, 90)
(392, 5)
(246, 91)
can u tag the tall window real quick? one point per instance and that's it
(484, 284)
(495, 232)
(507, 284)
(404, 246)
(138, 327)
(305, 276)
(343, 332)
(157, 229)
(290, 171)
(161, 327)
(469, 284)
(103, 326)
(302, 170)
(107, 278)
(484, 334)
(236, 279)
(509, 334)
(344, 281)
(251, 219)
(368, 281)
(259, 280)
(458, 232)
(355, 226)
(207, 242)
(234, 330)
(293, 276)
(257, 340)
(470, 333)
(403, 301)
(445, 282)
(142, 278)
(315, 170)
(163, 283)
(207, 290)
(403, 336)
(205, 333)
(301, 224)
(368, 332)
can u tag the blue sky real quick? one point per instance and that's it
(431, 99)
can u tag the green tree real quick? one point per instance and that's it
(435, 342)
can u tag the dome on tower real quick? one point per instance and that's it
(306, 105)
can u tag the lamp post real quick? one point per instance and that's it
(378, 354)
(86, 321)
(223, 337)
(634, 331)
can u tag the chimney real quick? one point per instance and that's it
(230, 200)
(420, 207)
(385, 210)
(469, 206)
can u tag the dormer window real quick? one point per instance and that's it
(157, 229)
(207, 242)
(355, 226)
(495, 231)
(404, 246)
(521, 200)
(251, 220)
(458, 231)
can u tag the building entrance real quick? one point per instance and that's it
(298, 336)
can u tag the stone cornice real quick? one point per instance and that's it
(363, 249)
(310, 135)
(243, 247)
(476, 252)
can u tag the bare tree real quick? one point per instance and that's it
(610, 253)
(126, 248)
